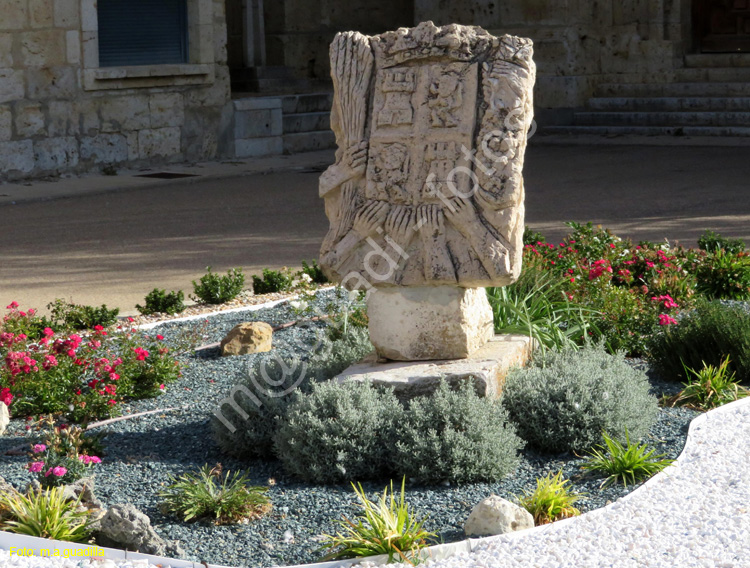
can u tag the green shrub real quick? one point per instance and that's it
(314, 272)
(456, 436)
(537, 305)
(710, 387)
(28, 322)
(564, 400)
(206, 494)
(714, 242)
(532, 237)
(339, 432)
(624, 462)
(273, 383)
(724, 275)
(707, 334)
(44, 514)
(77, 316)
(386, 527)
(551, 500)
(273, 281)
(215, 289)
(159, 302)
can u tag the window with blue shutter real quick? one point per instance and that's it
(142, 32)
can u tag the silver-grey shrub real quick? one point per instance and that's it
(564, 400)
(456, 436)
(253, 436)
(339, 432)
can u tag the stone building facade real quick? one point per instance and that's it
(63, 111)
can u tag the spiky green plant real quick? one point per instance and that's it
(386, 527)
(627, 463)
(710, 387)
(551, 501)
(44, 513)
(227, 499)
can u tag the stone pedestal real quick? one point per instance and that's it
(487, 368)
(424, 323)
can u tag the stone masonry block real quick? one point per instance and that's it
(87, 112)
(11, 85)
(41, 13)
(73, 46)
(16, 156)
(67, 14)
(60, 82)
(125, 113)
(6, 129)
(167, 109)
(159, 142)
(15, 15)
(6, 48)
(29, 120)
(43, 48)
(53, 154)
(63, 121)
(105, 148)
(256, 124)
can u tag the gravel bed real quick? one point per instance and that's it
(142, 453)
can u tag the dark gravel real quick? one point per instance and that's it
(142, 453)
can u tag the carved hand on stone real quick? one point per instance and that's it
(431, 221)
(461, 213)
(400, 225)
(355, 158)
(370, 217)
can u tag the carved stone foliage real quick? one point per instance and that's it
(427, 188)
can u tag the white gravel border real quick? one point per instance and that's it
(696, 513)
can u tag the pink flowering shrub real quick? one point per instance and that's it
(84, 376)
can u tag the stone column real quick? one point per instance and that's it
(254, 32)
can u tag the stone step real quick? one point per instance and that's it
(306, 122)
(716, 74)
(308, 102)
(308, 141)
(680, 89)
(734, 131)
(717, 60)
(669, 103)
(662, 118)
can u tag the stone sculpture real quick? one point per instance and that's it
(427, 190)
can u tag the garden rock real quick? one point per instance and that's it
(4, 418)
(496, 515)
(124, 526)
(246, 338)
(5, 487)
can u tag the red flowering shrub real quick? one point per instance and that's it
(84, 376)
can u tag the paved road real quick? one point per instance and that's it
(115, 247)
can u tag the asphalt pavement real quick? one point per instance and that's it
(112, 239)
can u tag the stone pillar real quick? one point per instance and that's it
(254, 32)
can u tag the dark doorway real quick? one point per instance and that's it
(722, 26)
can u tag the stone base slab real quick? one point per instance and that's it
(488, 368)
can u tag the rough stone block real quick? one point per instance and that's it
(495, 515)
(246, 338)
(487, 368)
(6, 50)
(73, 46)
(15, 15)
(52, 82)
(43, 48)
(11, 85)
(90, 49)
(87, 111)
(29, 120)
(41, 13)
(16, 157)
(428, 322)
(4, 418)
(254, 147)
(125, 113)
(56, 154)
(105, 148)
(67, 14)
(258, 123)
(63, 121)
(6, 123)
(159, 142)
(167, 109)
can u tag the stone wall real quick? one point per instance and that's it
(60, 112)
